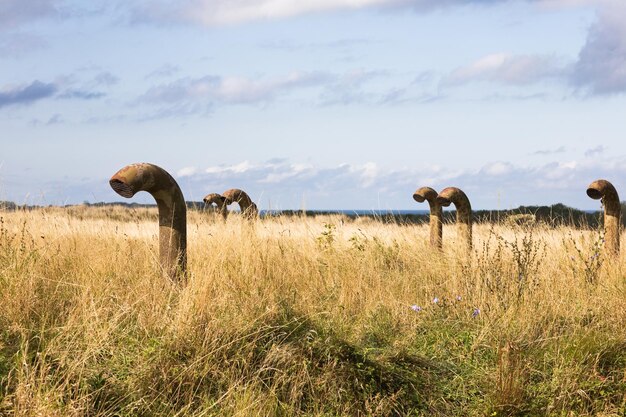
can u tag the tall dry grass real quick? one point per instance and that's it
(305, 316)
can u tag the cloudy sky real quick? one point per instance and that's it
(317, 104)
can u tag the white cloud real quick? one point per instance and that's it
(239, 168)
(225, 12)
(210, 12)
(507, 68)
(601, 64)
(560, 149)
(288, 172)
(26, 94)
(348, 88)
(294, 185)
(242, 167)
(16, 12)
(187, 96)
(164, 71)
(221, 12)
(361, 185)
(186, 171)
(232, 90)
(368, 173)
(17, 44)
(497, 168)
(567, 3)
(595, 151)
(599, 69)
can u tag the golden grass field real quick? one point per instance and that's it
(306, 316)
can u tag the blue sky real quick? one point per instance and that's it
(317, 104)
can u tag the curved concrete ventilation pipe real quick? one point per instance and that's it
(604, 190)
(463, 211)
(219, 201)
(172, 211)
(248, 209)
(436, 225)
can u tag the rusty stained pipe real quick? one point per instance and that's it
(248, 209)
(436, 225)
(463, 211)
(172, 211)
(219, 201)
(605, 191)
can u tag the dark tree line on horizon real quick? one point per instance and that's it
(553, 215)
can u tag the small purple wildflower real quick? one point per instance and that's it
(416, 308)
(458, 298)
(476, 312)
(435, 300)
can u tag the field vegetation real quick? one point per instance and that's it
(306, 316)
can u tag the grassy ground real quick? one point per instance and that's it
(306, 317)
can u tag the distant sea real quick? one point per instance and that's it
(353, 212)
(369, 212)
